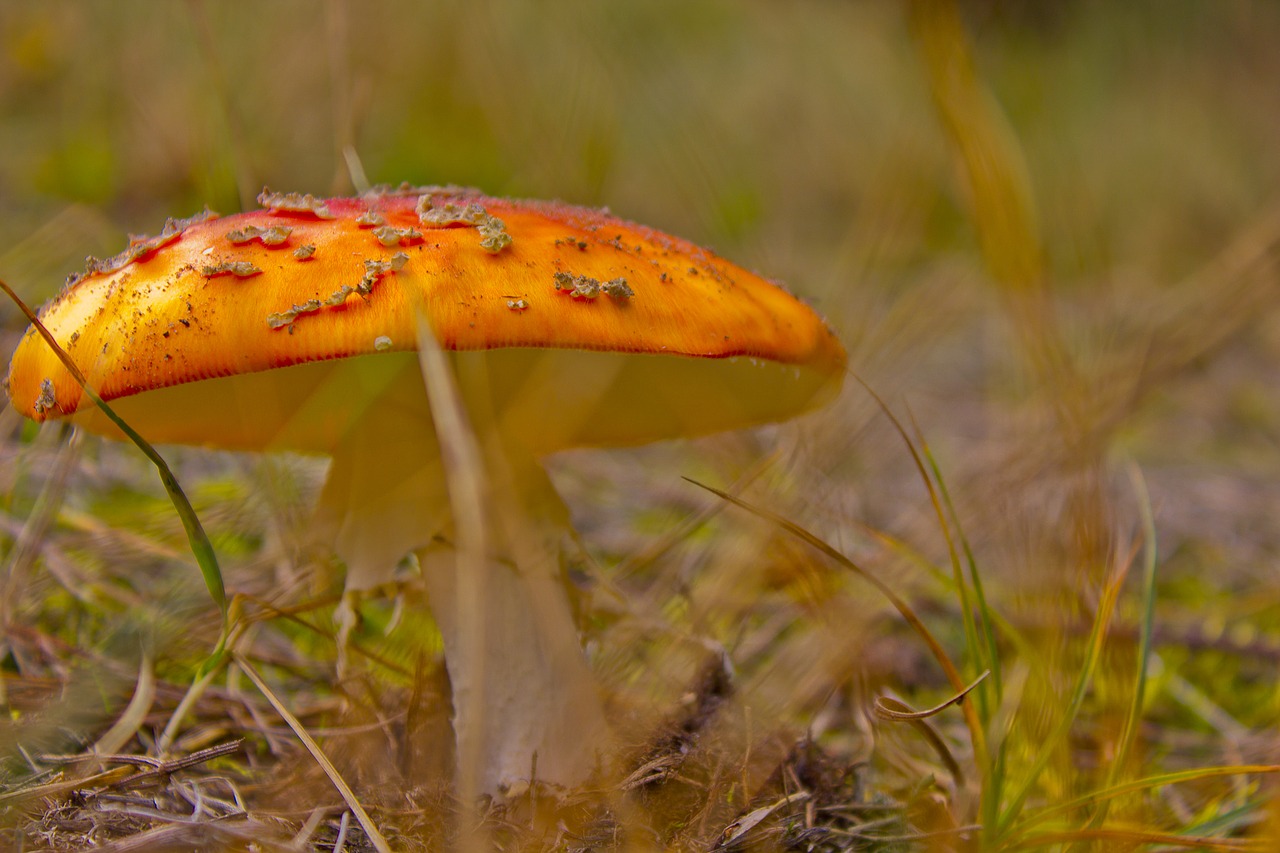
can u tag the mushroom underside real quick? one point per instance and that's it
(549, 400)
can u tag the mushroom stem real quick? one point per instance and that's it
(525, 704)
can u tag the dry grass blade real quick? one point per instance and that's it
(998, 183)
(998, 179)
(199, 757)
(1210, 307)
(113, 740)
(205, 837)
(344, 826)
(309, 827)
(370, 829)
(151, 767)
(935, 835)
(891, 709)
(685, 528)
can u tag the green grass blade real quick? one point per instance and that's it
(980, 716)
(1233, 820)
(961, 587)
(989, 655)
(201, 547)
(926, 468)
(983, 648)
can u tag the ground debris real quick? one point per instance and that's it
(140, 803)
(737, 831)
(493, 235)
(285, 318)
(449, 213)
(374, 270)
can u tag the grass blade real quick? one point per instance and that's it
(370, 829)
(892, 709)
(987, 654)
(982, 659)
(201, 547)
(113, 740)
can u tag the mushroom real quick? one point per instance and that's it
(297, 327)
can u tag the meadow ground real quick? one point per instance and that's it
(1047, 234)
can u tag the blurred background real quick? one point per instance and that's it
(1045, 232)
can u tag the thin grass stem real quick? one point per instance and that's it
(201, 547)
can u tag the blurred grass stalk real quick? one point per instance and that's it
(1002, 209)
(1004, 218)
(998, 183)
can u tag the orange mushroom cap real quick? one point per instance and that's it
(309, 282)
